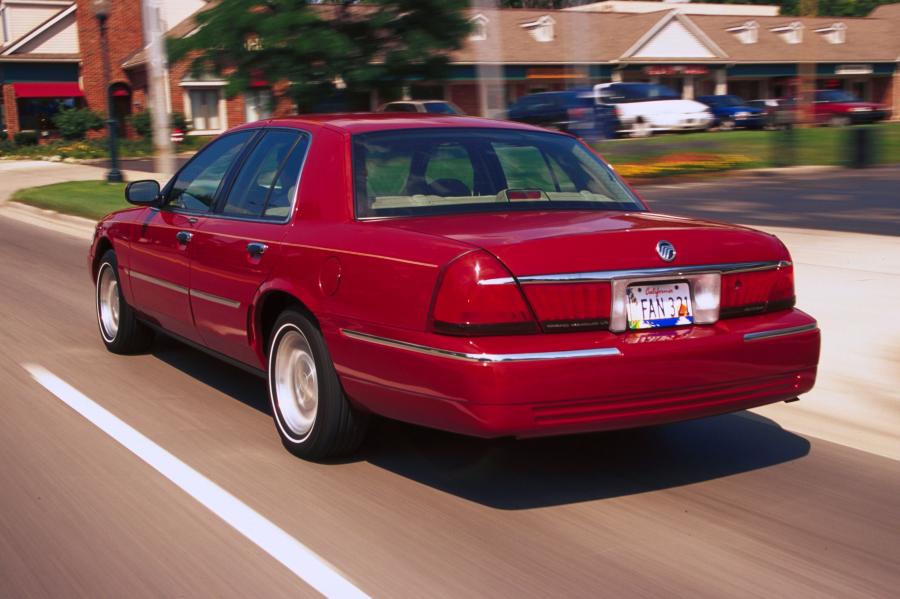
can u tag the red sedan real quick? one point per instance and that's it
(482, 277)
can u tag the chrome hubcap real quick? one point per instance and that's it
(108, 302)
(296, 383)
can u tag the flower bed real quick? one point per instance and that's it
(679, 164)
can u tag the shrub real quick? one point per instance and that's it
(4, 135)
(74, 123)
(143, 123)
(179, 121)
(7, 147)
(26, 138)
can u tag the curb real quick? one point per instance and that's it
(75, 226)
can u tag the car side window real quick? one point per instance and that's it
(284, 187)
(257, 178)
(195, 187)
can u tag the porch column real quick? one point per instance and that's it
(12, 110)
(616, 76)
(721, 82)
(687, 90)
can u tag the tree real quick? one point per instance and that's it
(317, 49)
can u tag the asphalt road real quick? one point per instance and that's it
(726, 506)
(851, 201)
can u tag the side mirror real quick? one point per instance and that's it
(143, 193)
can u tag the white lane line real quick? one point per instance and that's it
(295, 556)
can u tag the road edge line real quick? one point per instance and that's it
(287, 550)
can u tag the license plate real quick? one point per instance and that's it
(659, 305)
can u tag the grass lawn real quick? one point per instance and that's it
(817, 145)
(91, 199)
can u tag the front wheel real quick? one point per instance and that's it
(121, 331)
(839, 121)
(313, 416)
(727, 125)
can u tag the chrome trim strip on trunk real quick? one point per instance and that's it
(668, 271)
(482, 358)
(780, 332)
(223, 301)
(148, 279)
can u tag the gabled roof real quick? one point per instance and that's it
(16, 45)
(684, 37)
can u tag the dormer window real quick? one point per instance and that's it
(792, 33)
(836, 33)
(746, 33)
(479, 28)
(541, 29)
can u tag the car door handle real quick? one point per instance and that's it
(256, 249)
(184, 237)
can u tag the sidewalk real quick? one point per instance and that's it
(18, 174)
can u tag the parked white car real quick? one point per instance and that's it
(644, 108)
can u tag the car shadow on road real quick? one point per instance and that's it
(513, 474)
(230, 380)
(525, 474)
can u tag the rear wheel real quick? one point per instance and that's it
(313, 416)
(121, 331)
(641, 128)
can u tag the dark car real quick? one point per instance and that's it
(572, 111)
(779, 113)
(839, 108)
(732, 112)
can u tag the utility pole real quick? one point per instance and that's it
(806, 71)
(157, 66)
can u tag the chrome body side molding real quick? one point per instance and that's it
(222, 301)
(482, 358)
(153, 280)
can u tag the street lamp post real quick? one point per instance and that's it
(101, 12)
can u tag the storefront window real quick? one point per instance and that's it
(36, 114)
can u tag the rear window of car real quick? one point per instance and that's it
(458, 170)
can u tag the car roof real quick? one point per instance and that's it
(365, 122)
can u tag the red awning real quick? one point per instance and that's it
(62, 89)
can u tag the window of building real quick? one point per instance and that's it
(205, 109)
(791, 33)
(479, 28)
(746, 33)
(258, 104)
(834, 34)
(541, 29)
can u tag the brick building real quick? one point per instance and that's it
(50, 57)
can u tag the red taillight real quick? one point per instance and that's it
(570, 306)
(477, 296)
(757, 292)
